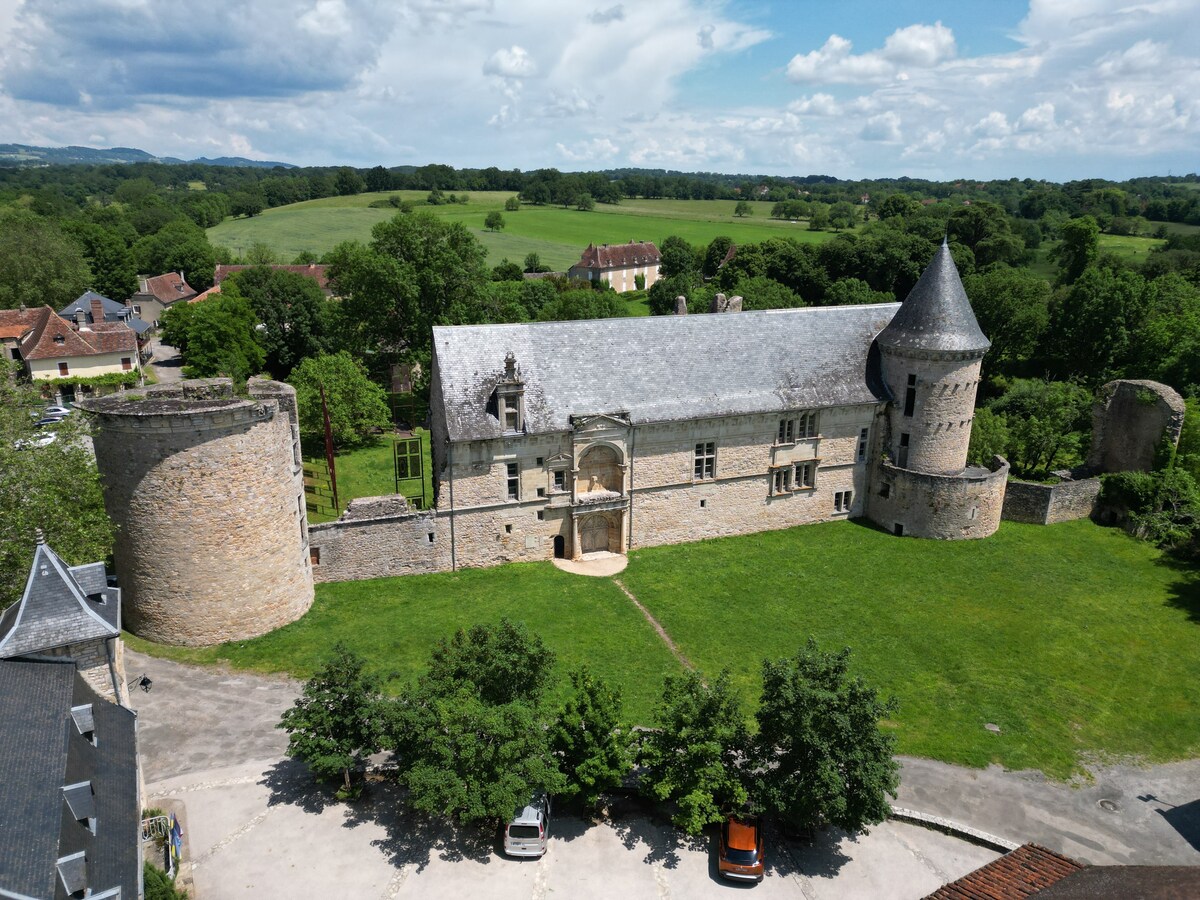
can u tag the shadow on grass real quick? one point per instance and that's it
(1184, 594)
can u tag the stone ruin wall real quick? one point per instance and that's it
(1048, 504)
(1129, 421)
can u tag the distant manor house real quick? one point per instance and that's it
(619, 265)
(565, 438)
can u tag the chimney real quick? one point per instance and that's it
(681, 305)
(97, 311)
(81, 322)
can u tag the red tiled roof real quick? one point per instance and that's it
(15, 322)
(104, 337)
(313, 270)
(1014, 876)
(168, 288)
(211, 292)
(619, 256)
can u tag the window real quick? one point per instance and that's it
(898, 530)
(541, 461)
(782, 481)
(807, 426)
(541, 515)
(885, 490)
(430, 537)
(314, 555)
(560, 480)
(59, 339)
(126, 363)
(63, 370)
(706, 460)
(910, 395)
(862, 443)
(541, 492)
(902, 454)
(508, 529)
(842, 501)
(511, 412)
(787, 431)
(806, 475)
(514, 482)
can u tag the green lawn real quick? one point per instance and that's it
(369, 471)
(1129, 248)
(1078, 641)
(557, 235)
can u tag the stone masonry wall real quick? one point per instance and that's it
(1129, 422)
(946, 507)
(91, 659)
(407, 543)
(940, 428)
(1046, 504)
(206, 491)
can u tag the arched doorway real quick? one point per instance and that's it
(560, 547)
(594, 534)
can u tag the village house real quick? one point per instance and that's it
(156, 294)
(90, 308)
(619, 265)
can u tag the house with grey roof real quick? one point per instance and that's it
(68, 612)
(70, 812)
(569, 438)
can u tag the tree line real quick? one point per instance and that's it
(476, 735)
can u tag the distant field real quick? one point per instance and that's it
(557, 235)
(1130, 249)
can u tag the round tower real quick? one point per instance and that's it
(207, 492)
(931, 353)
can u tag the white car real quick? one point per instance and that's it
(40, 440)
(56, 412)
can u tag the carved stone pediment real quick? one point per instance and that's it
(585, 424)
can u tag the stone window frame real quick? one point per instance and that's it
(808, 425)
(910, 396)
(804, 476)
(512, 472)
(781, 481)
(704, 461)
(512, 418)
(843, 501)
(864, 440)
(787, 431)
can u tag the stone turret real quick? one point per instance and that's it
(931, 355)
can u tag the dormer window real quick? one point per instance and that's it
(85, 722)
(510, 397)
(59, 339)
(82, 804)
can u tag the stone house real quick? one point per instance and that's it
(566, 438)
(619, 264)
(91, 308)
(156, 294)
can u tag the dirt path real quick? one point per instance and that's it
(662, 632)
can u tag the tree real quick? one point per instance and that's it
(718, 248)
(54, 487)
(248, 203)
(113, 272)
(585, 202)
(742, 208)
(378, 179)
(679, 258)
(261, 254)
(842, 215)
(1094, 323)
(293, 322)
(593, 752)
(494, 221)
(512, 204)
(39, 263)
(506, 270)
(1079, 242)
(898, 205)
(854, 291)
(533, 263)
(347, 182)
(691, 758)
(220, 339)
(820, 755)
(470, 738)
(1013, 309)
(181, 246)
(356, 404)
(338, 719)
(1049, 423)
(989, 437)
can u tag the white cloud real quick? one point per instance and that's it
(816, 105)
(1037, 118)
(705, 36)
(916, 46)
(883, 127)
(607, 16)
(513, 62)
(595, 150)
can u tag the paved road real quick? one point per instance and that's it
(258, 827)
(166, 363)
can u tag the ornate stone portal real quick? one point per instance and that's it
(600, 492)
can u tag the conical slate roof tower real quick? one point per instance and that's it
(936, 316)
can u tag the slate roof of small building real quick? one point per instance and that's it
(61, 605)
(619, 256)
(936, 315)
(1021, 873)
(314, 271)
(662, 368)
(113, 311)
(167, 288)
(104, 337)
(42, 751)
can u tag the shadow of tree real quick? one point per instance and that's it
(1184, 594)
(819, 856)
(637, 822)
(291, 782)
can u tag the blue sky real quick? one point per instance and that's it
(1054, 89)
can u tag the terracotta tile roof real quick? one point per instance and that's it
(1016, 875)
(104, 337)
(211, 292)
(619, 256)
(14, 323)
(313, 270)
(168, 288)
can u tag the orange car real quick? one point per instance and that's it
(741, 857)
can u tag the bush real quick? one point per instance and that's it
(159, 885)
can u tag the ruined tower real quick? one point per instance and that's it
(206, 489)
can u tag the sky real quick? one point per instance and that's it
(1053, 89)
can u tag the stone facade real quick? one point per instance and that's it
(1047, 504)
(102, 665)
(378, 539)
(1129, 423)
(945, 507)
(206, 490)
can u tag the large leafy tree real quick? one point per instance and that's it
(593, 751)
(820, 755)
(54, 487)
(356, 404)
(692, 756)
(40, 263)
(1048, 423)
(338, 720)
(1013, 309)
(1094, 322)
(218, 338)
(292, 315)
(471, 738)
(1079, 244)
(180, 246)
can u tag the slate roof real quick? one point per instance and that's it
(1021, 873)
(167, 288)
(313, 270)
(61, 605)
(1128, 883)
(42, 751)
(105, 337)
(113, 311)
(936, 315)
(662, 368)
(619, 256)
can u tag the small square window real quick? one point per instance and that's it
(541, 492)
(508, 529)
(703, 504)
(541, 461)
(430, 536)
(541, 515)
(314, 555)
(885, 490)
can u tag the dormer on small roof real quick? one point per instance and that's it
(936, 316)
(510, 396)
(61, 605)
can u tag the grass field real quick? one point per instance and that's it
(557, 235)
(1129, 248)
(1078, 641)
(369, 471)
